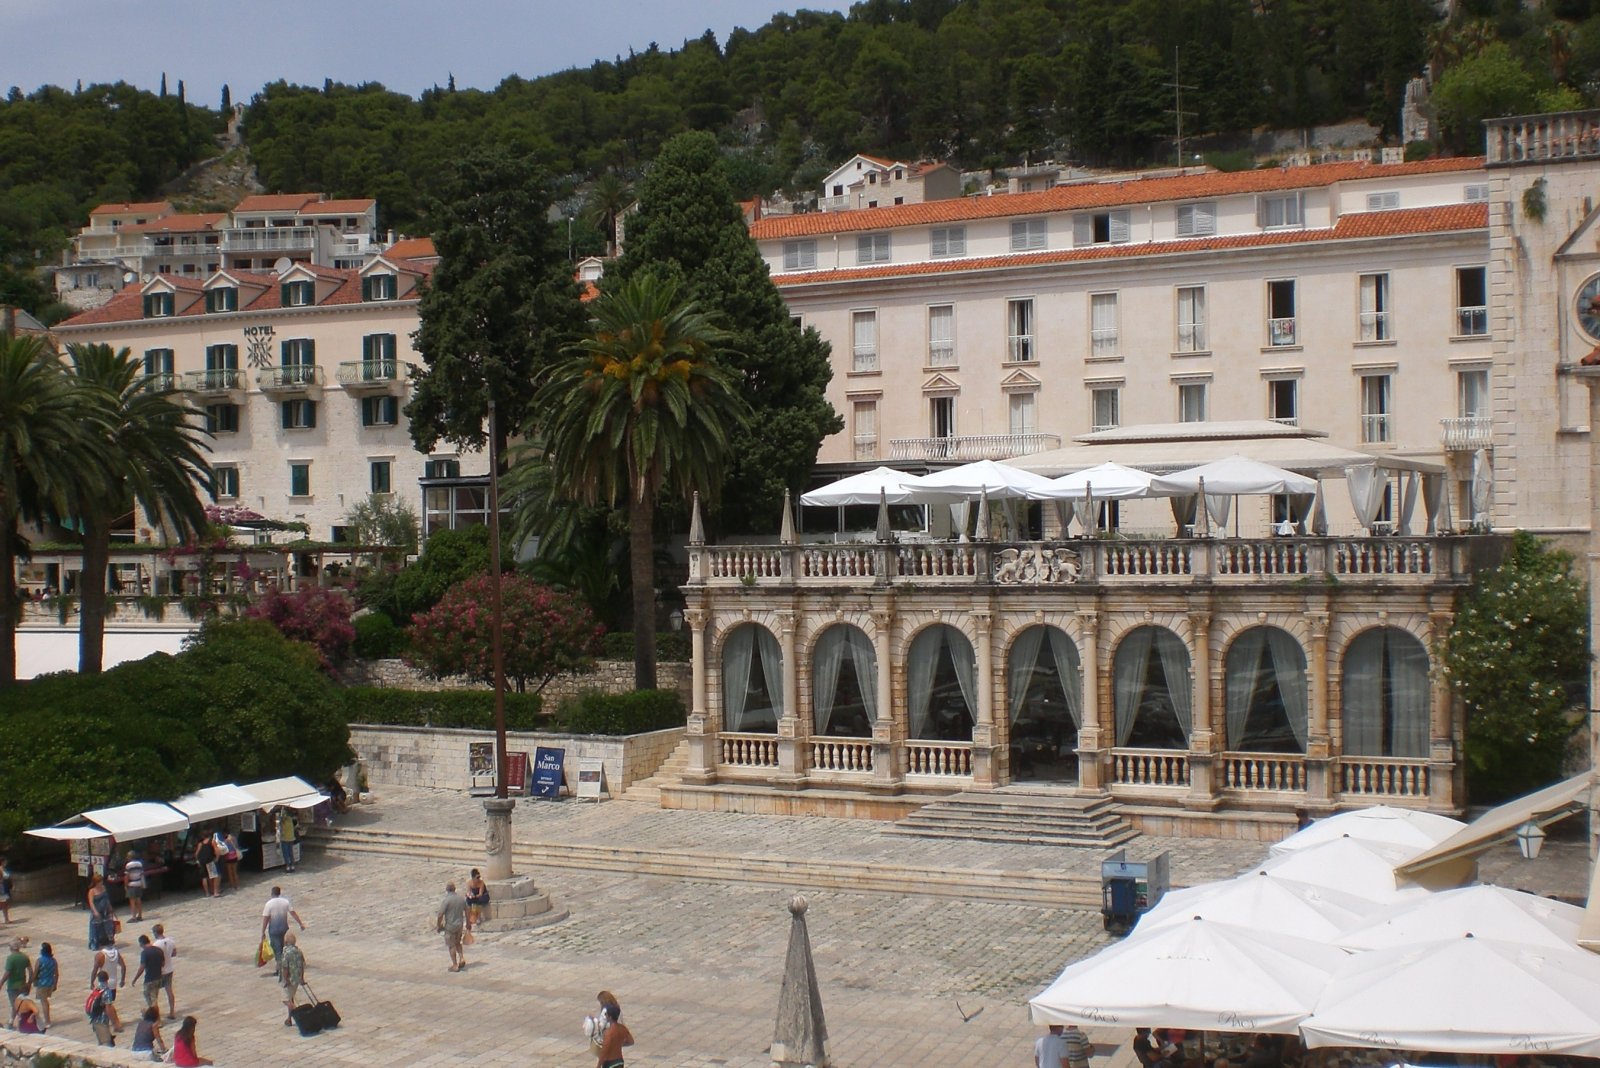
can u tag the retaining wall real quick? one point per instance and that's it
(23, 1051)
(609, 676)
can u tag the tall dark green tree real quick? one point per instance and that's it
(689, 228)
(500, 306)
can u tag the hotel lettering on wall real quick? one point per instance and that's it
(258, 345)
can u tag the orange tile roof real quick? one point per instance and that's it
(259, 278)
(178, 224)
(134, 208)
(276, 202)
(182, 281)
(411, 248)
(128, 305)
(1073, 197)
(337, 207)
(1406, 221)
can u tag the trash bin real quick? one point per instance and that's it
(1128, 889)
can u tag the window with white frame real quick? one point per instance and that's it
(1388, 200)
(942, 417)
(1105, 407)
(1476, 192)
(872, 248)
(1192, 319)
(1376, 408)
(1019, 330)
(1283, 401)
(1472, 301)
(799, 255)
(298, 294)
(383, 286)
(1104, 325)
(1197, 220)
(1024, 411)
(224, 482)
(864, 340)
(1375, 320)
(1192, 401)
(380, 411)
(297, 414)
(1281, 325)
(949, 241)
(942, 335)
(1472, 393)
(1100, 228)
(1027, 235)
(864, 428)
(1281, 211)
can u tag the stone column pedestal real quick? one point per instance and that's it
(497, 838)
(516, 903)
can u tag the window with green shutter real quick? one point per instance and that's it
(381, 470)
(377, 357)
(299, 294)
(380, 411)
(300, 479)
(379, 287)
(158, 305)
(222, 299)
(224, 482)
(298, 414)
(222, 418)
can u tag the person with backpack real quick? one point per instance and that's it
(99, 1010)
(205, 856)
(109, 966)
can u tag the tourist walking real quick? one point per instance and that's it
(102, 917)
(151, 961)
(46, 976)
(19, 978)
(1050, 1050)
(205, 856)
(1078, 1047)
(292, 972)
(147, 1035)
(101, 1011)
(617, 1036)
(169, 965)
(5, 889)
(452, 920)
(185, 1053)
(109, 965)
(275, 917)
(477, 899)
(287, 837)
(595, 1026)
(133, 883)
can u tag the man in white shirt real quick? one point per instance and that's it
(1050, 1051)
(169, 950)
(275, 917)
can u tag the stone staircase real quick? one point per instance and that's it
(670, 773)
(1022, 815)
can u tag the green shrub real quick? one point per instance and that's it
(470, 709)
(623, 713)
(377, 637)
(671, 646)
(1416, 150)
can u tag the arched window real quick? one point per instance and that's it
(1266, 692)
(1152, 691)
(844, 683)
(941, 685)
(1386, 695)
(752, 680)
(1044, 687)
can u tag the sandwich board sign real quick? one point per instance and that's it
(519, 776)
(547, 772)
(591, 778)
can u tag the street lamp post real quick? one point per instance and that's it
(497, 835)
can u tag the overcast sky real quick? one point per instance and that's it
(408, 45)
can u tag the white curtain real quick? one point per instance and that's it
(772, 668)
(1244, 667)
(1064, 517)
(1289, 668)
(1408, 684)
(1367, 484)
(1408, 502)
(1024, 655)
(921, 664)
(1183, 511)
(1067, 670)
(1433, 498)
(738, 652)
(1129, 672)
(966, 665)
(826, 658)
(1482, 484)
(1300, 505)
(1175, 665)
(865, 659)
(1386, 680)
(1219, 506)
(1081, 510)
(958, 518)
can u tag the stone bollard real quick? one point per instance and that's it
(800, 1038)
(514, 901)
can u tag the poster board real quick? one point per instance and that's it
(548, 772)
(480, 767)
(519, 774)
(591, 778)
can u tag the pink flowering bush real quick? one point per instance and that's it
(316, 616)
(546, 632)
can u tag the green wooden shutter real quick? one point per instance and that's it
(284, 418)
(366, 288)
(311, 413)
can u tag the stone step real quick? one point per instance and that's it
(1037, 888)
(1008, 836)
(1022, 816)
(647, 791)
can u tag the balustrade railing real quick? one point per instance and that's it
(1150, 767)
(1129, 558)
(746, 563)
(1263, 771)
(938, 561)
(939, 758)
(841, 754)
(1536, 138)
(749, 750)
(834, 562)
(972, 446)
(1276, 557)
(1383, 556)
(1383, 777)
(1466, 433)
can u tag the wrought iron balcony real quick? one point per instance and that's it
(217, 380)
(972, 446)
(293, 378)
(373, 376)
(1467, 433)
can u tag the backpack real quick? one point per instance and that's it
(95, 1006)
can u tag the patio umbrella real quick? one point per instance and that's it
(967, 482)
(1466, 995)
(1362, 869)
(863, 488)
(1265, 904)
(1483, 911)
(1110, 482)
(1380, 824)
(1200, 974)
(1233, 476)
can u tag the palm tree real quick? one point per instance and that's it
(608, 198)
(153, 457)
(643, 406)
(45, 435)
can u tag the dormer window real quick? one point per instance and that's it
(1100, 228)
(222, 299)
(1197, 220)
(379, 287)
(1281, 212)
(158, 305)
(299, 294)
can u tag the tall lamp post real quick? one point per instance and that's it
(497, 836)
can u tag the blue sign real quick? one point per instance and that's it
(547, 772)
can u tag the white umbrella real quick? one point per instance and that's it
(1109, 481)
(863, 488)
(1381, 824)
(969, 481)
(1483, 911)
(1465, 995)
(1234, 476)
(1361, 869)
(1265, 904)
(1202, 975)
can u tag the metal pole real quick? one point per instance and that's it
(500, 784)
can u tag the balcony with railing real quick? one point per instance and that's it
(1552, 138)
(269, 239)
(290, 378)
(1472, 322)
(1466, 433)
(972, 446)
(215, 382)
(373, 376)
(160, 382)
(941, 354)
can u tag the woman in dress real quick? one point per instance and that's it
(102, 917)
(184, 1053)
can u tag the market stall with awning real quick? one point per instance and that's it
(125, 823)
(215, 802)
(290, 791)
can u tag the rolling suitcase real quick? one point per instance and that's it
(321, 1015)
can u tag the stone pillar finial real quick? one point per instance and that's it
(697, 526)
(800, 1037)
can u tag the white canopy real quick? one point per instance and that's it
(1265, 904)
(970, 481)
(1482, 911)
(274, 792)
(1234, 475)
(1381, 824)
(1199, 974)
(214, 802)
(1108, 481)
(70, 834)
(1500, 823)
(1363, 869)
(1466, 995)
(126, 823)
(862, 488)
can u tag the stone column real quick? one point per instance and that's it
(791, 758)
(1442, 763)
(1319, 748)
(1591, 378)
(497, 839)
(1094, 738)
(701, 732)
(983, 731)
(886, 775)
(1204, 743)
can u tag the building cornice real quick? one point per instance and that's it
(167, 322)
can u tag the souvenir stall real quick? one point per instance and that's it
(213, 810)
(281, 807)
(100, 839)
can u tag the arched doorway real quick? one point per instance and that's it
(1266, 692)
(752, 680)
(1386, 695)
(844, 683)
(1044, 688)
(1152, 690)
(941, 685)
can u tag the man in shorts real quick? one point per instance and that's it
(452, 921)
(275, 917)
(151, 961)
(169, 965)
(133, 883)
(19, 977)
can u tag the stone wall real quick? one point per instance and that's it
(610, 676)
(24, 1051)
(436, 757)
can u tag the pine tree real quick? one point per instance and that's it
(689, 227)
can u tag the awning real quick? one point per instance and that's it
(142, 819)
(271, 793)
(306, 801)
(69, 834)
(1500, 824)
(214, 802)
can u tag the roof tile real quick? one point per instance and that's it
(135, 208)
(338, 207)
(177, 224)
(276, 202)
(128, 305)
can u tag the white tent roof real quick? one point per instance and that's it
(214, 802)
(970, 481)
(1500, 824)
(1382, 824)
(142, 819)
(271, 793)
(1265, 904)
(1362, 869)
(70, 834)
(1234, 474)
(863, 488)
(1482, 911)
(1173, 447)
(1107, 481)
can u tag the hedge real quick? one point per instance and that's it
(623, 713)
(671, 646)
(377, 637)
(472, 709)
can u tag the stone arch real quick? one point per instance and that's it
(750, 677)
(1385, 694)
(1266, 698)
(843, 675)
(942, 679)
(1042, 711)
(1152, 688)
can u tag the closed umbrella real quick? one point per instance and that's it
(1483, 911)
(1379, 824)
